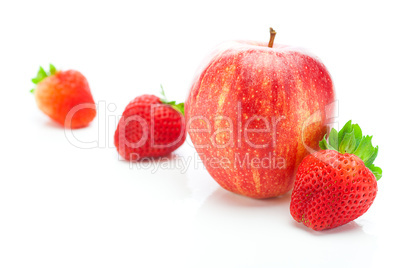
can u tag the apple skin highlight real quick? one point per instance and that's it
(248, 114)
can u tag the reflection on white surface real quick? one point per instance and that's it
(237, 231)
(102, 211)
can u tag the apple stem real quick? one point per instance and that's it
(271, 40)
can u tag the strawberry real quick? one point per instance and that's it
(150, 127)
(338, 184)
(65, 97)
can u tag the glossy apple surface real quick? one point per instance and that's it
(255, 111)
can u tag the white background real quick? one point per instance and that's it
(63, 206)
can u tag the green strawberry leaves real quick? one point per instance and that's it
(42, 74)
(177, 106)
(376, 171)
(52, 69)
(324, 144)
(333, 138)
(348, 143)
(351, 140)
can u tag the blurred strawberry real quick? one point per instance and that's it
(65, 97)
(150, 127)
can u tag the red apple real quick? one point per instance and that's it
(253, 112)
